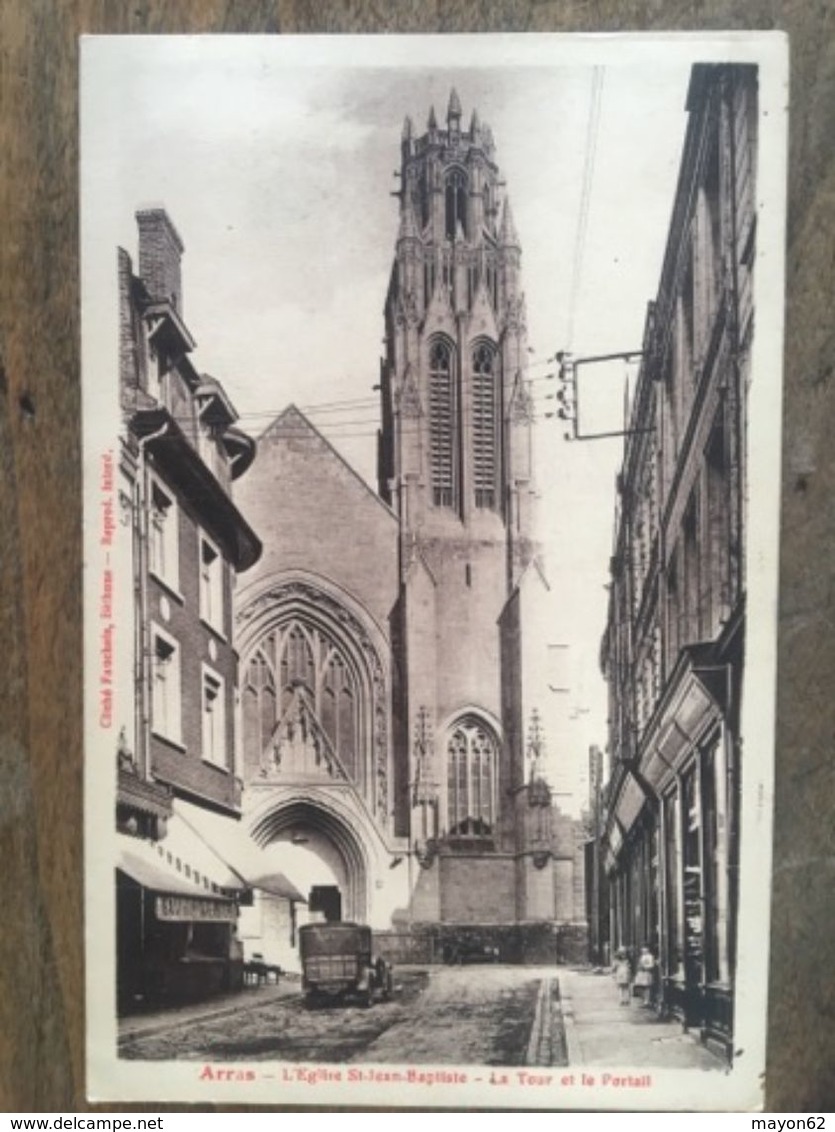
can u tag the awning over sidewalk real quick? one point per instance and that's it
(182, 893)
(229, 842)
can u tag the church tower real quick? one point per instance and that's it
(455, 464)
(455, 457)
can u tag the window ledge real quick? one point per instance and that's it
(216, 766)
(168, 587)
(169, 742)
(213, 629)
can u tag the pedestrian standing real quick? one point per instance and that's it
(623, 975)
(645, 976)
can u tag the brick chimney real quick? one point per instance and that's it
(160, 253)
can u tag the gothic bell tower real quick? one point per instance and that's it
(455, 463)
(455, 452)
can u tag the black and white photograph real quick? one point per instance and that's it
(432, 395)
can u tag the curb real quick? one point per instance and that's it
(162, 1025)
(541, 1020)
(573, 1048)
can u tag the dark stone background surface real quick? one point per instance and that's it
(41, 929)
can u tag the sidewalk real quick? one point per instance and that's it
(153, 1021)
(599, 1031)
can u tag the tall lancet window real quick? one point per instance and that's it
(471, 780)
(485, 425)
(456, 203)
(442, 423)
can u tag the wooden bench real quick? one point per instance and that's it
(256, 972)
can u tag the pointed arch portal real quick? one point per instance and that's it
(328, 837)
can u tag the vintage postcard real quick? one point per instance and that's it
(432, 397)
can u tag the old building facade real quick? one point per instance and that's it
(391, 653)
(673, 648)
(181, 543)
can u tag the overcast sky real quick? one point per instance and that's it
(275, 161)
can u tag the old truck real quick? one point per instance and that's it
(338, 965)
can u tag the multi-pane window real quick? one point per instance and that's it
(300, 659)
(163, 540)
(717, 572)
(674, 610)
(712, 220)
(214, 719)
(166, 693)
(259, 709)
(485, 425)
(211, 584)
(471, 776)
(691, 611)
(442, 423)
(338, 713)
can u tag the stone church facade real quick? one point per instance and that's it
(391, 651)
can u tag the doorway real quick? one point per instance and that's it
(326, 899)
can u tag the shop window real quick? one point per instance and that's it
(675, 951)
(716, 894)
(166, 691)
(692, 878)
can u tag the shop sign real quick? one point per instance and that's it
(195, 908)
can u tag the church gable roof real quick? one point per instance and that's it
(291, 425)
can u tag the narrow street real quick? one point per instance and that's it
(439, 1016)
(484, 1015)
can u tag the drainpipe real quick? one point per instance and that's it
(143, 649)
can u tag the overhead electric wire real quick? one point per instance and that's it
(358, 404)
(592, 131)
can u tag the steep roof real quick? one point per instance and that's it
(292, 422)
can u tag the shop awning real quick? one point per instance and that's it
(228, 840)
(179, 895)
(155, 877)
(693, 702)
(277, 884)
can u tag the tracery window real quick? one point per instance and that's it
(302, 659)
(485, 425)
(456, 203)
(442, 423)
(471, 779)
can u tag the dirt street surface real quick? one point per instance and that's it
(440, 1016)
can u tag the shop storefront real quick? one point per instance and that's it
(671, 856)
(176, 922)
